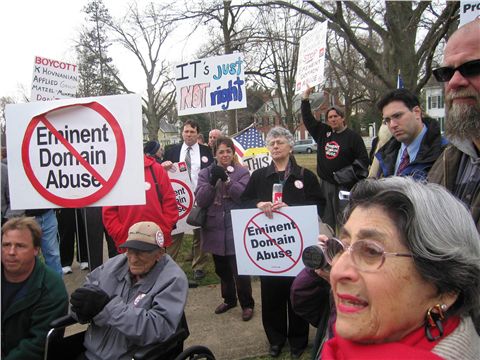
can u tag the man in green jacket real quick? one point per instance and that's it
(32, 294)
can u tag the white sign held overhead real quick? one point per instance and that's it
(469, 11)
(273, 247)
(73, 152)
(211, 84)
(53, 79)
(311, 58)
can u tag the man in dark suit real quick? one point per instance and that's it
(196, 157)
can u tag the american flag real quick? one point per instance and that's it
(247, 139)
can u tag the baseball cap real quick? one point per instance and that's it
(144, 236)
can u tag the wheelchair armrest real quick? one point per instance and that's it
(63, 321)
(163, 347)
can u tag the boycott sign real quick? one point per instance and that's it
(211, 84)
(311, 58)
(274, 246)
(184, 195)
(73, 154)
(53, 79)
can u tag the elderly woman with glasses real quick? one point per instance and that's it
(405, 275)
(300, 187)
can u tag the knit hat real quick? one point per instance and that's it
(144, 236)
(151, 147)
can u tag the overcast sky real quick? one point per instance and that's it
(49, 28)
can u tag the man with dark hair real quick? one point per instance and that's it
(134, 299)
(416, 143)
(342, 157)
(458, 169)
(33, 295)
(196, 157)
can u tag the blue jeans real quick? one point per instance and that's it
(50, 246)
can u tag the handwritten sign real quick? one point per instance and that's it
(311, 58)
(211, 84)
(53, 79)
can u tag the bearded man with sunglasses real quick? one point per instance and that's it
(458, 169)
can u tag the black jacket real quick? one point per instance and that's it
(300, 188)
(173, 154)
(431, 147)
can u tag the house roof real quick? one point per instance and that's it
(272, 106)
(166, 127)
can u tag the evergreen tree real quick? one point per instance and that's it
(97, 73)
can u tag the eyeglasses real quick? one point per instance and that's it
(468, 69)
(396, 117)
(367, 255)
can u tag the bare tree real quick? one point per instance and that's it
(143, 33)
(396, 24)
(275, 66)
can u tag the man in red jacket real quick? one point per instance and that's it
(161, 207)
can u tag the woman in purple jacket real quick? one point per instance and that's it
(219, 189)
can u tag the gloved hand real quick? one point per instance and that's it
(87, 302)
(217, 172)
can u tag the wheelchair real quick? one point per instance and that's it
(60, 347)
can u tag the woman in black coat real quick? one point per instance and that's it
(300, 187)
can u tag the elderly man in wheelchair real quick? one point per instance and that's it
(133, 300)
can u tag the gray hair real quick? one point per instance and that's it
(279, 131)
(437, 229)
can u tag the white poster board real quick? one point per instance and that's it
(273, 247)
(75, 152)
(184, 195)
(469, 11)
(211, 84)
(311, 58)
(53, 79)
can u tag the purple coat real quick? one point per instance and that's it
(217, 234)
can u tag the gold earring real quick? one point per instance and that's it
(433, 320)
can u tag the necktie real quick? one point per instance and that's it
(188, 161)
(404, 161)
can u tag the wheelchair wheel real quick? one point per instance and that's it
(196, 352)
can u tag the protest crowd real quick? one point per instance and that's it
(398, 272)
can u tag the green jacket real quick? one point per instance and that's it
(26, 322)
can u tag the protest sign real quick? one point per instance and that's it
(469, 11)
(250, 148)
(53, 79)
(184, 195)
(211, 84)
(273, 247)
(311, 58)
(73, 152)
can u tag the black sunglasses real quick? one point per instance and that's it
(468, 69)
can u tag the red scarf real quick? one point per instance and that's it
(413, 346)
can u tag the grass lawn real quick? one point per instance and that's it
(308, 161)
